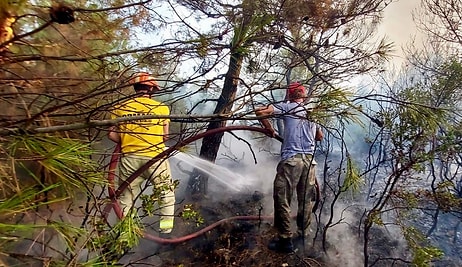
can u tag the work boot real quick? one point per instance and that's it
(283, 245)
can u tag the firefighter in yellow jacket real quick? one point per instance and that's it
(140, 141)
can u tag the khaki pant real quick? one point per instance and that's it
(294, 174)
(159, 175)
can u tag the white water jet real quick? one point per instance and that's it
(230, 179)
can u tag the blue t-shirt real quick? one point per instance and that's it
(299, 133)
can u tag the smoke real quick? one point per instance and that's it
(344, 248)
(397, 14)
(257, 158)
(251, 166)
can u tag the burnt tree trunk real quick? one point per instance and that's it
(211, 144)
(198, 182)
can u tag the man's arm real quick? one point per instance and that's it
(166, 131)
(265, 111)
(113, 134)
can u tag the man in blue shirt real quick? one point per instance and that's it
(296, 170)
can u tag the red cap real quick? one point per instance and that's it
(295, 87)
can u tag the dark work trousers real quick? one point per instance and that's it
(294, 174)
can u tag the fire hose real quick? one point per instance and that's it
(115, 193)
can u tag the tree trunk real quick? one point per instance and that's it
(211, 144)
(198, 182)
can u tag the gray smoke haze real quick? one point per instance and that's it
(236, 156)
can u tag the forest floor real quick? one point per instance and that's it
(232, 243)
(245, 243)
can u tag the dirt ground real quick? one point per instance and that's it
(232, 243)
